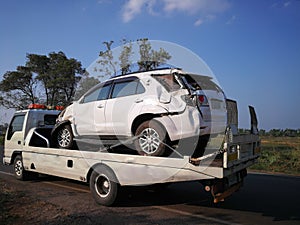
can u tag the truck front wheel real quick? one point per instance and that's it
(19, 171)
(104, 186)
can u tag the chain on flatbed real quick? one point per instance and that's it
(197, 160)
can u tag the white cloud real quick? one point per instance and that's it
(198, 22)
(194, 6)
(150, 7)
(132, 8)
(281, 5)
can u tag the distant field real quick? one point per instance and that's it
(279, 154)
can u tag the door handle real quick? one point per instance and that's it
(139, 100)
(100, 106)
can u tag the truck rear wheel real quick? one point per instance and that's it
(104, 185)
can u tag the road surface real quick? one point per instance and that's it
(264, 199)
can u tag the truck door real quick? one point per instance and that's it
(14, 139)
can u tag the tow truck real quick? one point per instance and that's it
(30, 149)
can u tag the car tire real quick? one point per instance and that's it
(104, 185)
(64, 137)
(152, 138)
(19, 171)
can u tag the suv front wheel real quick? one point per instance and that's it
(64, 137)
(152, 138)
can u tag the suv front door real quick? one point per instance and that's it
(89, 112)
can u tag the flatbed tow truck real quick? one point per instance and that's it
(28, 147)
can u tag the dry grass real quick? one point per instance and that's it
(279, 154)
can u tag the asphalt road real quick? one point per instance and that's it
(264, 199)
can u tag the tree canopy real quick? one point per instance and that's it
(149, 58)
(54, 79)
(49, 80)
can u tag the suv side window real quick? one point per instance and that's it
(91, 96)
(16, 125)
(100, 93)
(127, 88)
(104, 92)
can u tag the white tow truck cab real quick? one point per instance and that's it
(29, 148)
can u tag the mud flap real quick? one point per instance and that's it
(221, 196)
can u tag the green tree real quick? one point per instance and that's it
(124, 58)
(18, 88)
(44, 79)
(151, 59)
(106, 61)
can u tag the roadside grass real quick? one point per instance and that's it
(279, 155)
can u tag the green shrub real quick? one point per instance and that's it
(1, 140)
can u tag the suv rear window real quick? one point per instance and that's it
(199, 82)
(168, 81)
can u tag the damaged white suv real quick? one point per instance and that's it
(154, 109)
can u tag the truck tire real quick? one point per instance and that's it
(104, 185)
(152, 140)
(19, 171)
(64, 137)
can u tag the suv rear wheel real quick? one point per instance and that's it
(152, 139)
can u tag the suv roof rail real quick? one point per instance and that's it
(135, 72)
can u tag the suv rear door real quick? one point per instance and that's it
(125, 102)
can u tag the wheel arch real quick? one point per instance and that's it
(142, 118)
(14, 155)
(59, 125)
(99, 166)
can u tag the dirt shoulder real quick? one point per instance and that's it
(22, 207)
(36, 202)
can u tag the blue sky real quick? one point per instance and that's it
(253, 47)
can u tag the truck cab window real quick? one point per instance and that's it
(16, 125)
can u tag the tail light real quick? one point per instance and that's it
(202, 100)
